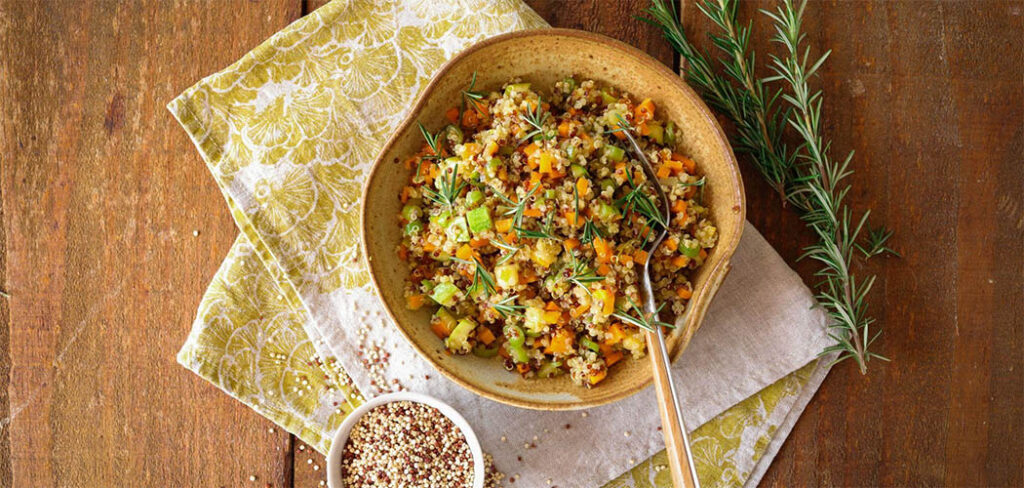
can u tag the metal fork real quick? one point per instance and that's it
(677, 444)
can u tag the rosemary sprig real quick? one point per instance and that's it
(481, 277)
(590, 232)
(432, 140)
(515, 209)
(508, 248)
(507, 307)
(543, 233)
(536, 119)
(448, 190)
(642, 320)
(804, 176)
(581, 275)
(471, 94)
(638, 201)
(877, 239)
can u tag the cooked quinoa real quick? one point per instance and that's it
(525, 226)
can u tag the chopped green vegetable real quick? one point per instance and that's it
(577, 171)
(606, 212)
(445, 318)
(614, 153)
(570, 83)
(414, 227)
(690, 252)
(519, 354)
(514, 334)
(411, 212)
(457, 230)
(549, 369)
(656, 132)
(589, 344)
(444, 293)
(492, 167)
(670, 134)
(458, 341)
(474, 197)
(516, 87)
(608, 97)
(452, 134)
(479, 219)
(507, 275)
(483, 351)
(607, 183)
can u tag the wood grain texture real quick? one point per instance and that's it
(100, 192)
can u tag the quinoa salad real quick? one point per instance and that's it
(525, 221)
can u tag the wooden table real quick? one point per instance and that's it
(102, 192)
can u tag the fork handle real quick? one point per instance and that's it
(676, 443)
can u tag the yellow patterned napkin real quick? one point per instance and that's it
(287, 132)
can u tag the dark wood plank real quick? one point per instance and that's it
(101, 194)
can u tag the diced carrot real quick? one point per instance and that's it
(490, 149)
(664, 171)
(603, 248)
(644, 110)
(452, 115)
(465, 252)
(530, 149)
(504, 352)
(440, 329)
(414, 302)
(406, 191)
(582, 185)
(503, 225)
(645, 130)
(469, 149)
(615, 334)
(534, 179)
(684, 292)
(485, 335)
(478, 243)
(600, 375)
(579, 311)
(552, 306)
(403, 253)
(470, 118)
(703, 254)
(528, 275)
(546, 106)
(503, 174)
(603, 270)
(672, 243)
(571, 243)
(620, 135)
(552, 317)
(523, 368)
(511, 237)
(679, 206)
(625, 259)
(675, 166)
(572, 219)
(680, 261)
(564, 128)
(561, 342)
(640, 257)
(428, 246)
(612, 357)
(533, 212)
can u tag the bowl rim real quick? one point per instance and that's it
(333, 458)
(715, 274)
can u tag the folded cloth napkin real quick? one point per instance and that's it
(290, 325)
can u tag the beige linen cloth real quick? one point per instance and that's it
(288, 133)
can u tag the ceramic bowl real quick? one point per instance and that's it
(542, 57)
(334, 479)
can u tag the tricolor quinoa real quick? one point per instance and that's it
(525, 220)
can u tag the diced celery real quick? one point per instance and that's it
(458, 341)
(492, 167)
(689, 251)
(474, 197)
(606, 183)
(570, 152)
(441, 219)
(670, 134)
(656, 132)
(577, 171)
(518, 354)
(608, 97)
(514, 334)
(452, 134)
(411, 212)
(589, 344)
(444, 293)
(614, 153)
(507, 275)
(427, 285)
(549, 194)
(570, 82)
(479, 219)
(457, 230)
(546, 252)
(414, 227)
(606, 212)
(549, 369)
(445, 318)
(483, 351)
(516, 87)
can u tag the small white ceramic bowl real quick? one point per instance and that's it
(341, 437)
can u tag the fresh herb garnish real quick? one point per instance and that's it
(624, 125)
(644, 321)
(482, 278)
(638, 201)
(508, 307)
(449, 190)
(509, 248)
(516, 209)
(432, 140)
(536, 119)
(471, 94)
(877, 239)
(543, 233)
(590, 232)
(581, 275)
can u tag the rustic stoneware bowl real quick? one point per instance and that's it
(542, 57)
